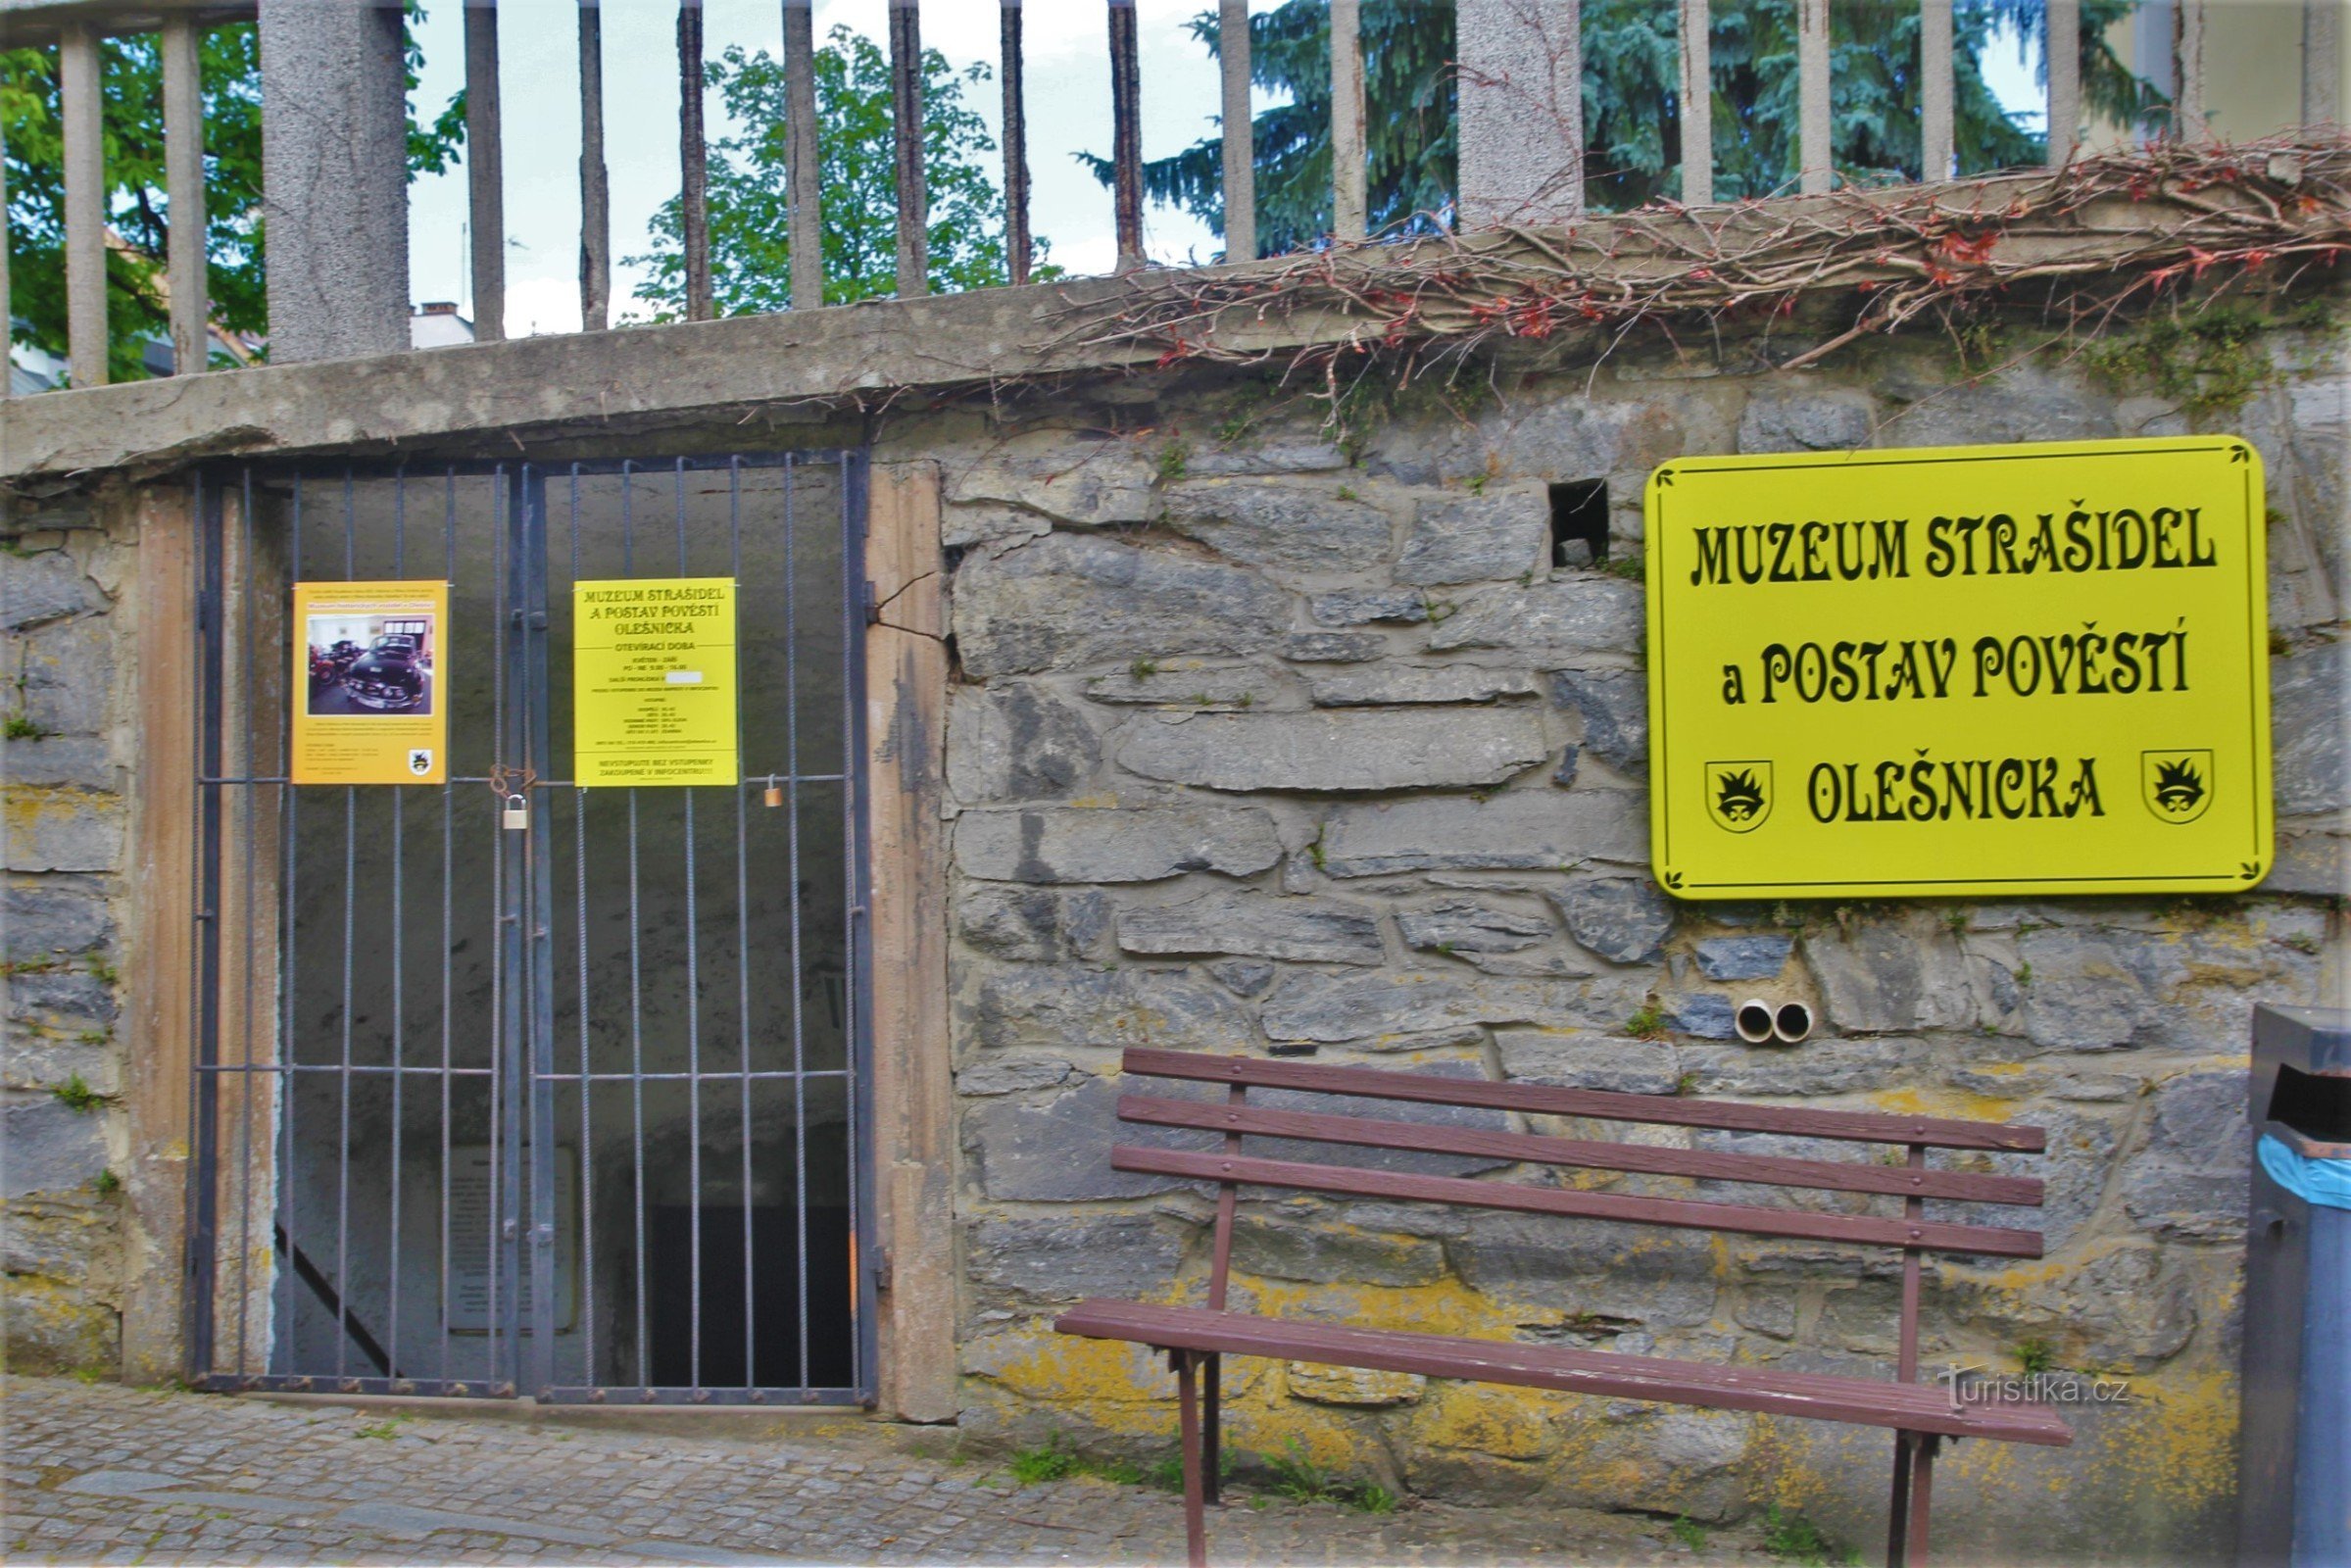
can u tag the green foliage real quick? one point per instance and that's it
(22, 728)
(2210, 362)
(77, 1096)
(1649, 1023)
(751, 231)
(1631, 108)
(130, 80)
(2034, 1356)
(1144, 669)
(1690, 1533)
(1790, 1535)
(383, 1431)
(1300, 1478)
(1175, 459)
(106, 1182)
(1633, 568)
(1056, 1461)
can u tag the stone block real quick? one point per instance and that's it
(68, 670)
(1059, 1152)
(1016, 1075)
(1622, 919)
(1351, 1386)
(1815, 1067)
(29, 1060)
(1072, 600)
(1656, 1279)
(1332, 646)
(989, 523)
(1066, 1258)
(1256, 925)
(1464, 927)
(1275, 452)
(1192, 686)
(1565, 620)
(2189, 1182)
(44, 586)
(1016, 742)
(1360, 607)
(54, 916)
(1289, 526)
(63, 830)
(1138, 844)
(62, 999)
(1333, 751)
(52, 1148)
(2124, 1305)
(1061, 1007)
(1615, 708)
(1756, 958)
(1328, 1009)
(1419, 683)
(2311, 860)
(1032, 924)
(2018, 404)
(1311, 1250)
(1879, 976)
(1579, 1058)
(1490, 537)
(2309, 695)
(72, 760)
(1244, 977)
(1704, 1016)
(1805, 421)
(1075, 478)
(1522, 830)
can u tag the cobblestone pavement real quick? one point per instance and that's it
(102, 1474)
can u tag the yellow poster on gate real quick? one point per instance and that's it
(653, 681)
(368, 670)
(2029, 670)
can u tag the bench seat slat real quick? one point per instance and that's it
(1370, 1132)
(1855, 1126)
(1862, 1229)
(1912, 1407)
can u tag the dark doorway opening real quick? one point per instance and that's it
(769, 1354)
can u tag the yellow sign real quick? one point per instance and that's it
(653, 680)
(2027, 670)
(368, 670)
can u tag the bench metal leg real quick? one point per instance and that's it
(1922, 1498)
(1898, 1523)
(1212, 1439)
(1196, 1523)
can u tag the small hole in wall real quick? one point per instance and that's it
(1580, 522)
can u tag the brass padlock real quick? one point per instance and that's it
(517, 814)
(773, 793)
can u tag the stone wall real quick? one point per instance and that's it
(1273, 738)
(62, 575)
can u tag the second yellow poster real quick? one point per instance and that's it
(653, 681)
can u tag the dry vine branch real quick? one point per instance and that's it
(2097, 236)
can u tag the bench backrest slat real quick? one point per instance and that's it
(1373, 1131)
(1853, 1126)
(1685, 1214)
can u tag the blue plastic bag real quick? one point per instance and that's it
(2325, 1182)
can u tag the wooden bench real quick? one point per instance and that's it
(1198, 1337)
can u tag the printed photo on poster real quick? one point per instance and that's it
(369, 661)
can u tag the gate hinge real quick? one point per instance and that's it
(882, 1279)
(872, 603)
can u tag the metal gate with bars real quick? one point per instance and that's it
(575, 1109)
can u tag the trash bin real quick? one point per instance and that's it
(2294, 1478)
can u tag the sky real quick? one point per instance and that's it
(1066, 44)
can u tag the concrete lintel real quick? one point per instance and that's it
(29, 23)
(844, 357)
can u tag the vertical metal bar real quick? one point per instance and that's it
(1936, 133)
(800, 1062)
(289, 1048)
(81, 105)
(505, 1124)
(1898, 1509)
(856, 1018)
(538, 920)
(693, 1015)
(392, 1269)
(693, 169)
(204, 1093)
(803, 183)
(252, 854)
(183, 189)
(1697, 103)
(448, 928)
(1239, 131)
(2188, 50)
(344, 1074)
(587, 1084)
(734, 537)
(905, 111)
(1351, 200)
(1126, 134)
(1814, 153)
(636, 973)
(2062, 49)
(1010, 65)
(595, 179)
(1922, 1502)
(485, 171)
(1914, 1209)
(1196, 1523)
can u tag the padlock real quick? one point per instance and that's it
(773, 793)
(517, 814)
